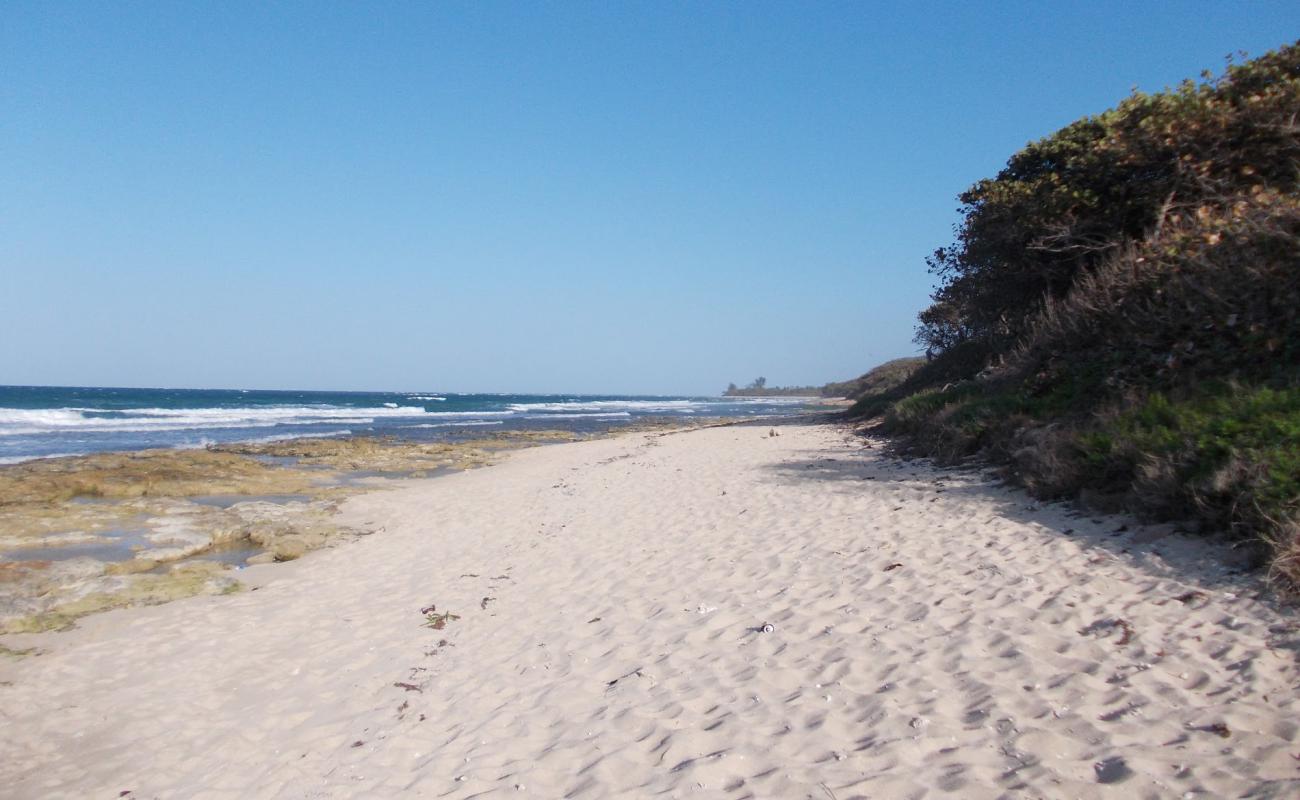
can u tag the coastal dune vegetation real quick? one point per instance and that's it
(879, 379)
(1118, 319)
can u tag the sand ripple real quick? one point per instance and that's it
(930, 635)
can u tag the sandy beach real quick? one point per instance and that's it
(716, 613)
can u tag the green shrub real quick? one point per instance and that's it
(1066, 203)
(1120, 314)
(1230, 452)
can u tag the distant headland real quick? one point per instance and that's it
(880, 379)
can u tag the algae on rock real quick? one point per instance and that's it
(145, 512)
(102, 592)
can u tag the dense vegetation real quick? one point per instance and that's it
(1119, 316)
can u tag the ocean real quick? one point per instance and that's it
(45, 421)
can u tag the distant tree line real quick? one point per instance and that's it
(885, 376)
(759, 388)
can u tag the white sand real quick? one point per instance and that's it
(619, 656)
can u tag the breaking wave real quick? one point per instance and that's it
(27, 422)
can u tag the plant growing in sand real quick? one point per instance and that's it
(432, 619)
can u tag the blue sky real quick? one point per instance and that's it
(569, 197)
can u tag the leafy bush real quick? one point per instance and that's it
(1066, 203)
(1120, 314)
(1231, 454)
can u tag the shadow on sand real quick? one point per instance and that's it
(1203, 562)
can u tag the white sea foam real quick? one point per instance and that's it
(791, 400)
(20, 459)
(284, 437)
(646, 406)
(22, 421)
(464, 424)
(594, 415)
(463, 414)
(39, 417)
(424, 397)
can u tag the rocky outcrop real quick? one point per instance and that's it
(40, 597)
(154, 518)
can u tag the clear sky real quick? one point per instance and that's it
(569, 197)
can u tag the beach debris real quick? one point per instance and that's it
(705, 609)
(636, 672)
(771, 432)
(1121, 712)
(410, 687)
(1187, 597)
(1111, 770)
(893, 566)
(1125, 627)
(358, 743)
(439, 621)
(1219, 729)
(593, 619)
(483, 603)
(441, 644)
(432, 619)
(766, 627)
(1127, 632)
